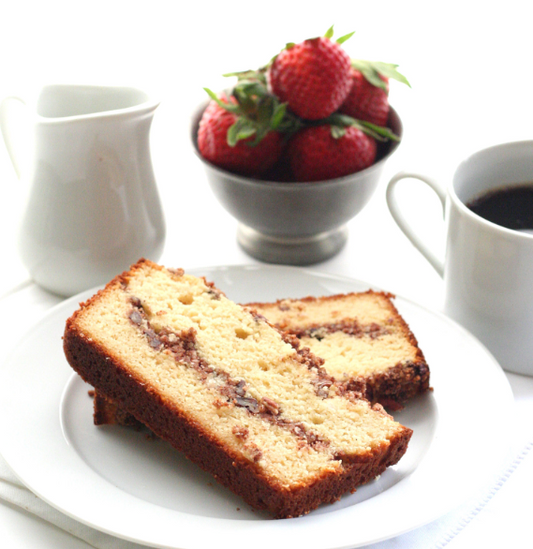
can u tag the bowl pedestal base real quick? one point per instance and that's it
(291, 250)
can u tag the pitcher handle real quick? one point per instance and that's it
(6, 130)
(394, 208)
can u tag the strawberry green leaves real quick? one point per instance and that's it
(342, 39)
(257, 111)
(329, 33)
(339, 122)
(372, 70)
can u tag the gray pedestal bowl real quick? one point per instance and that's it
(295, 223)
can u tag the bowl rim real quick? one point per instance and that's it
(195, 121)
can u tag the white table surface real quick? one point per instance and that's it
(469, 69)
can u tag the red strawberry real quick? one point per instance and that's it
(366, 101)
(242, 158)
(316, 155)
(313, 77)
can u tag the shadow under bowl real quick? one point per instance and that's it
(295, 223)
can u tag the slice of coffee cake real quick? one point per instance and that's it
(364, 342)
(222, 385)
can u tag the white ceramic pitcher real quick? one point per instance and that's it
(93, 206)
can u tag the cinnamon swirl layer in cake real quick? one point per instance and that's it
(239, 398)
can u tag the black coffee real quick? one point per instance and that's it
(510, 207)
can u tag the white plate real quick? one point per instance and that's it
(121, 482)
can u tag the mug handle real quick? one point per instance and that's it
(436, 263)
(6, 131)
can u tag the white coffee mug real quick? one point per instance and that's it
(487, 268)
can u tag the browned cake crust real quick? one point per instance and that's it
(114, 381)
